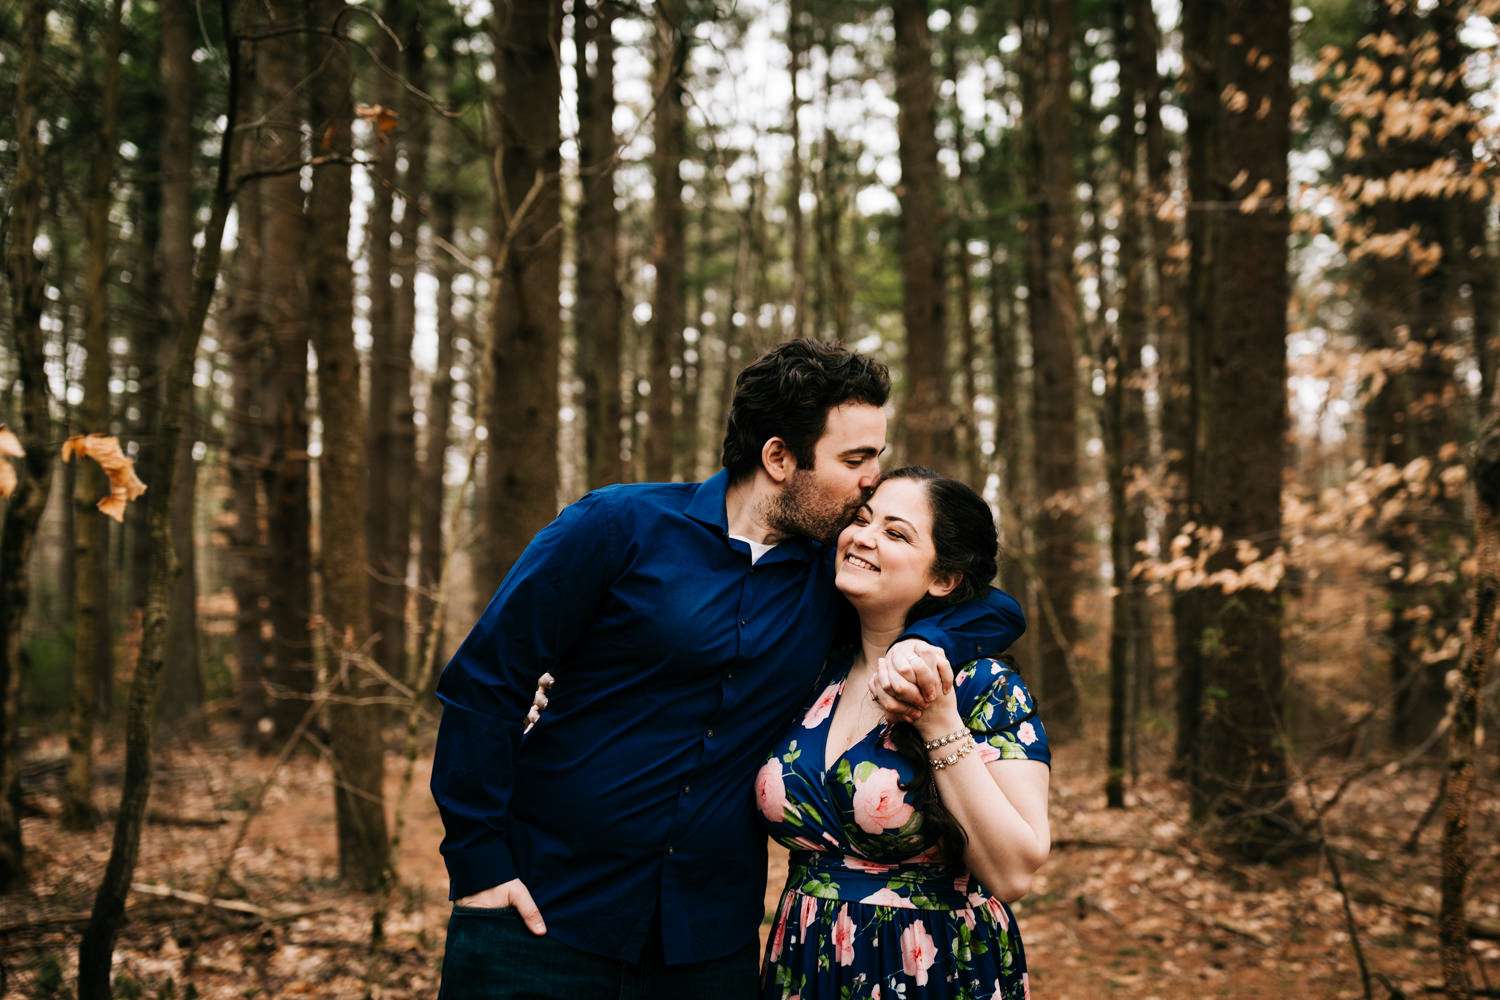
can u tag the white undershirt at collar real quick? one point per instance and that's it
(757, 549)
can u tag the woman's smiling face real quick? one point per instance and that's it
(885, 555)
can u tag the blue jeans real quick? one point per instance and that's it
(490, 955)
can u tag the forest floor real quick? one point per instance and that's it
(1131, 903)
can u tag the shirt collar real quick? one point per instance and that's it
(708, 508)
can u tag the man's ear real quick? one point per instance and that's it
(776, 458)
(942, 586)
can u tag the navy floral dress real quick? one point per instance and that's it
(870, 909)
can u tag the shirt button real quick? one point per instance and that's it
(686, 788)
(729, 675)
(709, 735)
(743, 623)
(671, 850)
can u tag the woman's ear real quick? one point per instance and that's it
(942, 586)
(776, 458)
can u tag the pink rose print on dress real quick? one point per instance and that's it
(917, 952)
(998, 909)
(770, 792)
(886, 897)
(861, 865)
(821, 707)
(1026, 733)
(779, 937)
(987, 753)
(809, 909)
(843, 937)
(879, 802)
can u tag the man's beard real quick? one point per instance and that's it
(801, 509)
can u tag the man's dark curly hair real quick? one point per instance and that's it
(787, 393)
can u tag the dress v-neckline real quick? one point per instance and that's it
(827, 726)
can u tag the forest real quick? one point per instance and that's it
(315, 312)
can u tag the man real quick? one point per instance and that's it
(613, 851)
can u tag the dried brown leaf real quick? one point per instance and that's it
(105, 449)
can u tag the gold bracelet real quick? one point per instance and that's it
(953, 758)
(956, 735)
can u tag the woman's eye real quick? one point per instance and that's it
(896, 535)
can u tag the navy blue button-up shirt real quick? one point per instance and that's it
(676, 663)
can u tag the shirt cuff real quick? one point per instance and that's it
(479, 867)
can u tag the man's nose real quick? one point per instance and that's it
(868, 480)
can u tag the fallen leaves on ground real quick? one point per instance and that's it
(1131, 904)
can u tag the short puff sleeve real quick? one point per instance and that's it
(999, 710)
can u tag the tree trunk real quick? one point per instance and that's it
(928, 424)
(91, 636)
(1183, 375)
(438, 429)
(391, 449)
(355, 712)
(247, 344)
(597, 318)
(1453, 922)
(1047, 28)
(1417, 414)
(797, 30)
(966, 417)
(96, 949)
(1239, 780)
(527, 325)
(288, 498)
(669, 256)
(142, 411)
(182, 701)
(403, 483)
(1151, 192)
(28, 295)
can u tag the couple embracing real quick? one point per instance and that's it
(798, 646)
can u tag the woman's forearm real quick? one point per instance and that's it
(1003, 809)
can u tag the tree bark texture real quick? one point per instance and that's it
(28, 290)
(391, 451)
(669, 248)
(1239, 776)
(289, 504)
(1458, 794)
(600, 308)
(797, 37)
(247, 343)
(1418, 411)
(1047, 29)
(928, 424)
(1153, 186)
(355, 713)
(1183, 374)
(526, 322)
(96, 949)
(91, 582)
(182, 700)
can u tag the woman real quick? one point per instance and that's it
(907, 839)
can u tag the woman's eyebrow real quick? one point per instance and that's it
(894, 517)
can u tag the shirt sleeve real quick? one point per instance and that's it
(985, 626)
(1000, 712)
(547, 600)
